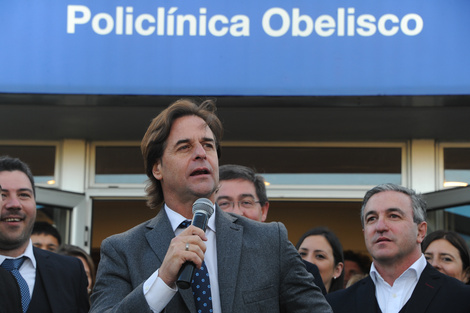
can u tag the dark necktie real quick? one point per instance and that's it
(200, 284)
(13, 266)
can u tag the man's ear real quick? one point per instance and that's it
(157, 170)
(264, 211)
(422, 229)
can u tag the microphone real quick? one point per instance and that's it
(202, 210)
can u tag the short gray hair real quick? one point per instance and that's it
(418, 203)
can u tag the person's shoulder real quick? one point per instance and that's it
(340, 296)
(451, 283)
(56, 260)
(52, 256)
(252, 225)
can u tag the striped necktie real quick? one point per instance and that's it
(201, 285)
(13, 266)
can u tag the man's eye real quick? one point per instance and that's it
(223, 204)
(183, 147)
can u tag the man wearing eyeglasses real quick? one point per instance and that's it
(243, 192)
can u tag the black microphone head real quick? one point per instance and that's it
(205, 205)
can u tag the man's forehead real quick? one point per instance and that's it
(388, 200)
(190, 125)
(17, 178)
(237, 182)
(238, 186)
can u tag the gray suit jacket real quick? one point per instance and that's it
(259, 270)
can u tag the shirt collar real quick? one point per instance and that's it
(27, 253)
(176, 219)
(417, 268)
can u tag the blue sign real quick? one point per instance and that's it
(243, 47)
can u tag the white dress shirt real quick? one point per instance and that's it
(28, 268)
(158, 294)
(391, 299)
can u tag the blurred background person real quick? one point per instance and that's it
(86, 259)
(447, 252)
(356, 265)
(321, 247)
(243, 192)
(45, 236)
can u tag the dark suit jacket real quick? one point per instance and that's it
(259, 270)
(10, 295)
(434, 293)
(64, 280)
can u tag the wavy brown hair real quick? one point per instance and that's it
(155, 139)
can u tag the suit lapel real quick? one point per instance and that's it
(427, 287)
(50, 279)
(159, 238)
(365, 301)
(228, 256)
(160, 234)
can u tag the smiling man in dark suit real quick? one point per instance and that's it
(251, 266)
(10, 300)
(48, 282)
(394, 225)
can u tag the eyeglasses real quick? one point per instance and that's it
(244, 204)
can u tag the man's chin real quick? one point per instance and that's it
(206, 192)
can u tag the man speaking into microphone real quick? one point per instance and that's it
(240, 265)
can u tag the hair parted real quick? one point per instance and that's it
(337, 248)
(10, 164)
(233, 171)
(154, 141)
(418, 203)
(454, 239)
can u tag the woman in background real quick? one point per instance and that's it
(86, 259)
(321, 247)
(448, 253)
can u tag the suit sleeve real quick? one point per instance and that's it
(298, 291)
(113, 291)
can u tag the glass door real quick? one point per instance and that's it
(449, 209)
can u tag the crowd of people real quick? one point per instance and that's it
(238, 262)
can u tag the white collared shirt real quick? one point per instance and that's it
(391, 299)
(28, 268)
(158, 294)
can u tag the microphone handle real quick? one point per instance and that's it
(185, 275)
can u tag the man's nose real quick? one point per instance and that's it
(381, 225)
(237, 209)
(11, 202)
(199, 151)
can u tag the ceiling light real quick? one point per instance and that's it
(455, 184)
